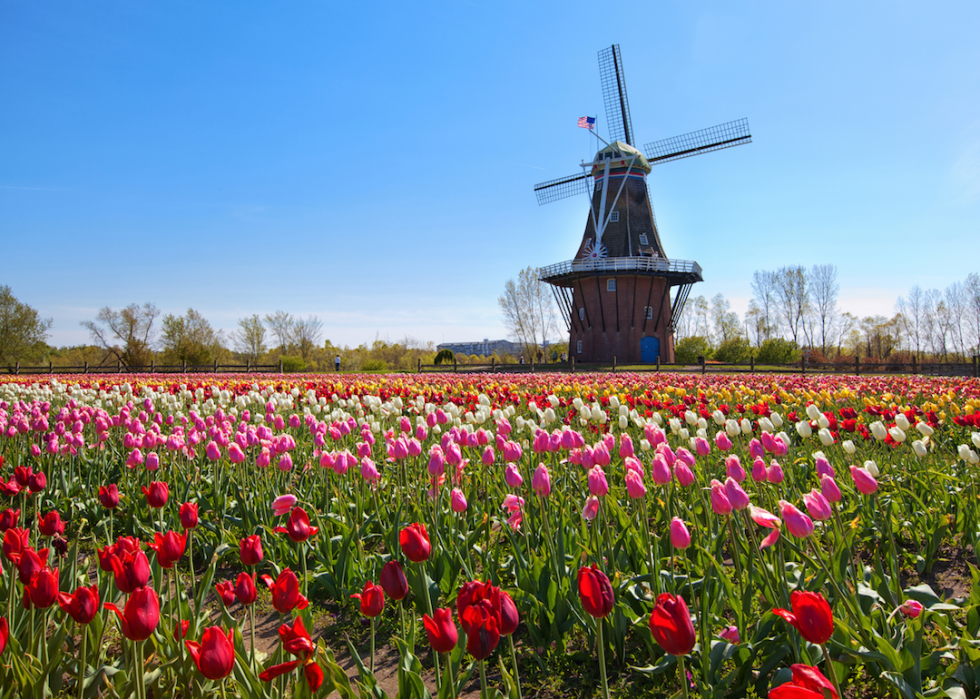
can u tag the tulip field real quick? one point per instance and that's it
(485, 535)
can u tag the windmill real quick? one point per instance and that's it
(615, 296)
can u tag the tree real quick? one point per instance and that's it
(281, 325)
(726, 321)
(971, 292)
(793, 298)
(249, 338)
(912, 311)
(823, 294)
(189, 339)
(690, 348)
(22, 331)
(305, 335)
(767, 303)
(131, 326)
(529, 310)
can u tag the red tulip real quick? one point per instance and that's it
(393, 580)
(50, 524)
(4, 628)
(42, 590)
(215, 654)
(807, 683)
(415, 543)
(811, 616)
(372, 599)
(22, 475)
(251, 550)
(245, 589)
(141, 614)
(83, 605)
(509, 618)
(441, 630)
(130, 568)
(188, 515)
(8, 519)
(285, 592)
(14, 542)
(477, 594)
(226, 591)
(180, 630)
(109, 496)
(298, 526)
(484, 633)
(296, 639)
(38, 482)
(30, 562)
(595, 591)
(156, 494)
(169, 547)
(670, 624)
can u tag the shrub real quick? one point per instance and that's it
(292, 365)
(735, 350)
(374, 365)
(778, 351)
(444, 355)
(689, 349)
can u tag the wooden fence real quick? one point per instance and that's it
(153, 368)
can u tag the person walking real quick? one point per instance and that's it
(336, 363)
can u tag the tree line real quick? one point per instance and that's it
(794, 310)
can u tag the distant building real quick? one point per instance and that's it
(484, 348)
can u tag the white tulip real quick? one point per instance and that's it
(902, 422)
(614, 402)
(878, 430)
(718, 417)
(964, 452)
(776, 419)
(657, 419)
(872, 468)
(919, 448)
(975, 438)
(823, 422)
(813, 412)
(765, 424)
(644, 445)
(585, 412)
(732, 428)
(624, 410)
(675, 425)
(702, 433)
(693, 446)
(549, 415)
(897, 434)
(683, 433)
(826, 438)
(925, 429)
(803, 429)
(553, 399)
(702, 424)
(848, 446)
(603, 417)
(746, 426)
(690, 418)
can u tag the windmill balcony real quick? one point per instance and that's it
(677, 271)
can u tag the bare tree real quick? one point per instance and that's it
(912, 310)
(126, 334)
(306, 334)
(726, 321)
(281, 325)
(793, 299)
(767, 303)
(955, 302)
(845, 325)
(971, 293)
(529, 310)
(249, 338)
(823, 294)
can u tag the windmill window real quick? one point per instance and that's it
(643, 239)
(610, 285)
(578, 347)
(581, 313)
(648, 312)
(614, 217)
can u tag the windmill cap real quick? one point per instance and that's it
(619, 151)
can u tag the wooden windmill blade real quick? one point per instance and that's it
(732, 133)
(563, 187)
(614, 95)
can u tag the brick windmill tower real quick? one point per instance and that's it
(615, 296)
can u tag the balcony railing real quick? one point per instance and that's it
(621, 264)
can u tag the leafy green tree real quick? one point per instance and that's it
(190, 339)
(22, 331)
(690, 348)
(733, 350)
(444, 355)
(249, 338)
(776, 350)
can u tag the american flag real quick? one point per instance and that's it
(586, 122)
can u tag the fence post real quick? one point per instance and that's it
(280, 365)
(86, 367)
(183, 366)
(703, 365)
(493, 365)
(17, 368)
(118, 366)
(573, 363)
(50, 367)
(857, 365)
(803, 364)
(153, 366)
(915, 368)
(248, 365)
(976, 367)
(752, 364)
(658, 363)
(215, 366)
(454, 364)
(614, 365)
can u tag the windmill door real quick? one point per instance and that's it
(649, 350)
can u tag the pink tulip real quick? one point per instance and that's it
(634, 485)
(817, 505)
(685, 476)
(631, 463)
(283, 504)
(212, 451)
(511, 452)
(863, 480)
(285, 462)
(759, 473)
(660, 471)
(702, 446)
(756, 449)
(824, 468)
(798, 524)
(488, 456)
(775, 473)
(152, 461)
(668, 454)
(680, 538)
(829, 489)
(654, 434)
(770, 539)
(764, 518)
(733, 468)
(722, 441)
(598, 485)
(685, 457)
(235, 454)
(437, 461)
(541, 481)
(457, 500)
(600, 454)
(369, 471)
(730, 634)
(720, 503)
(736, 496)
(911, 608)
(264, 458)
(513, 477)
(625, 446)
(135, 458)
(769, 442)
(591, 508)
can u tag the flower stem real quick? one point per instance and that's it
(683, 673)
(483, 680)
(602, 659)
(82, 665)
(513, 659)
(830, 669)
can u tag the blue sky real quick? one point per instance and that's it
(374, 164)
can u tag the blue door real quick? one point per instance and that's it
(649, 350)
